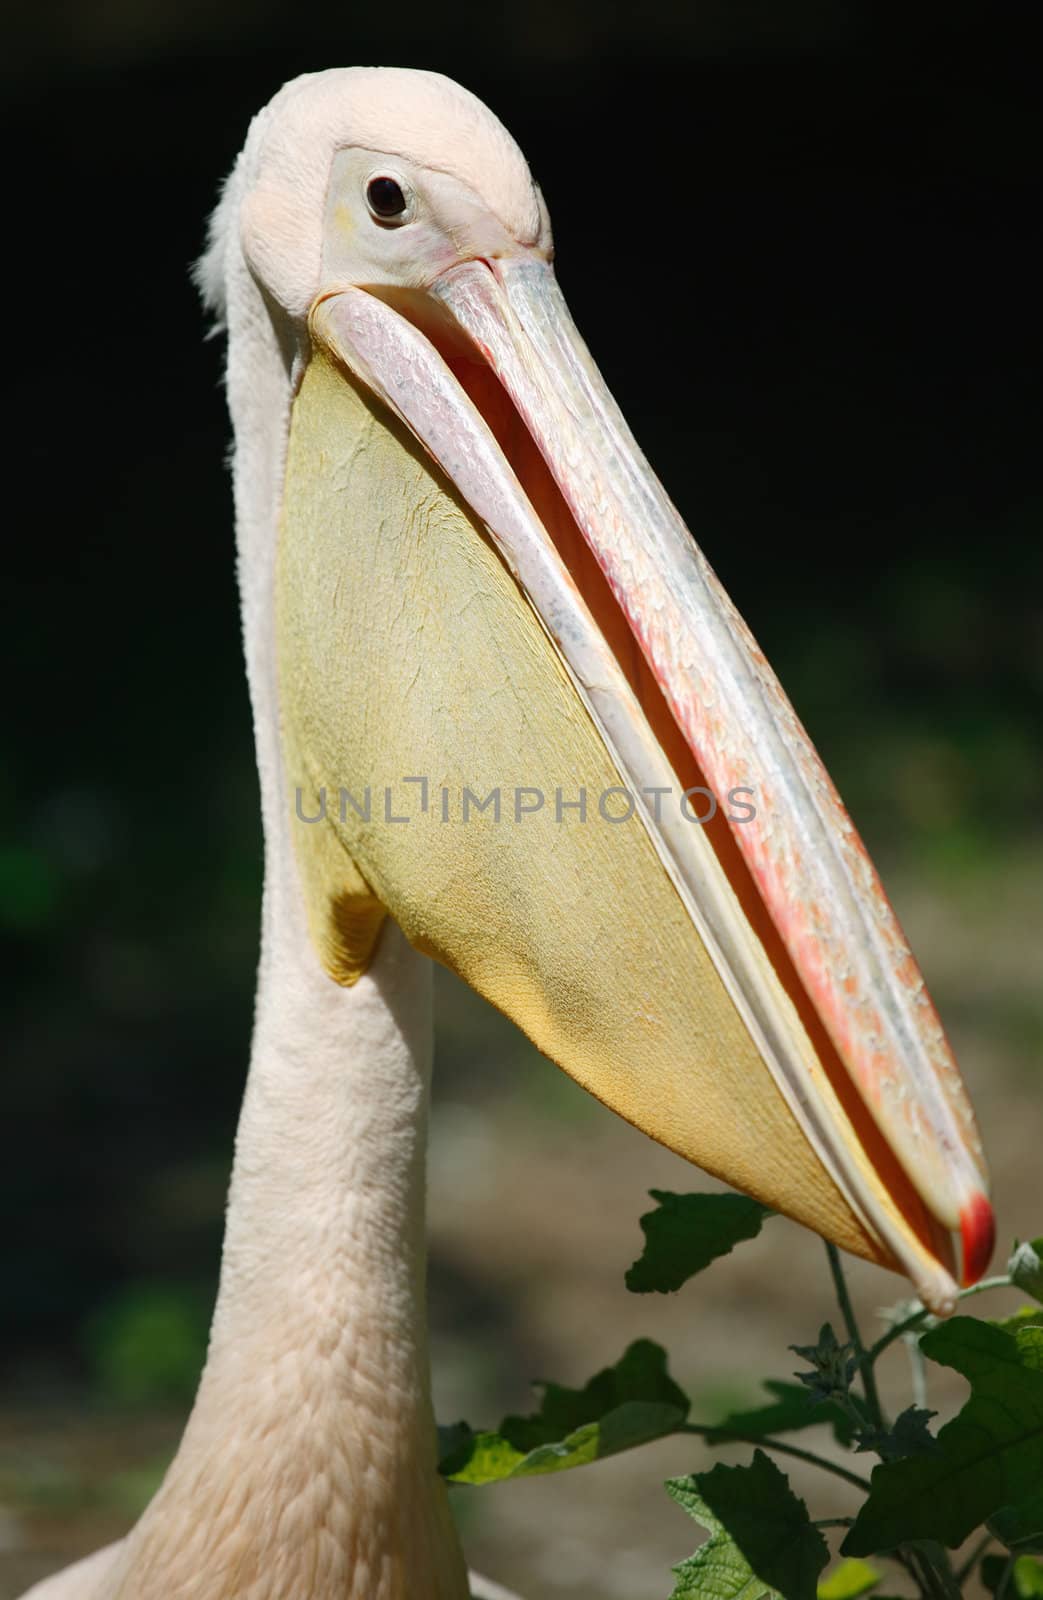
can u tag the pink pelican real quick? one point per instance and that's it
(460, 577)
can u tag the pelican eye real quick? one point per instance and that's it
(385, 198)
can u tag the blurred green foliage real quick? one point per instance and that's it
(145, 1345)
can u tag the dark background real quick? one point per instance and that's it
(801, 240)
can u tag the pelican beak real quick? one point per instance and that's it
(744, 991)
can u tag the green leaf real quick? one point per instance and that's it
(623, 1406)
(1025, 1581)
(453, 1438)
(761, 1543)
(909, 1436)
(989, 1456)
(1026, 1267)
(687, 1233)
(849, 1580)
(1020, 1526)
(793, 1408)
(1024, 1317)
(1028, 1578)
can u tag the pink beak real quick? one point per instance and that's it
(798, 865)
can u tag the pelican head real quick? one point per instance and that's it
(516, 711)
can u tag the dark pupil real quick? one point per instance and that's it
(386, 198)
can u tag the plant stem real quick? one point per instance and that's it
(929, 1579)
(935, 1580)
(933, 1573)
(875, 1350)
(1004, 1583)
(865, 1366)
(975, 1556)
(906, 1560)
(833, 1522)
(943, 1567)
(724, 1436)
(917, 1373)
(906, 1326)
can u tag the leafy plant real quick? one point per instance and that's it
(979, 1477)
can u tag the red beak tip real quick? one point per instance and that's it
(978, 1235)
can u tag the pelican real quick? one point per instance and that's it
(506, 718)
